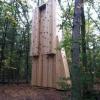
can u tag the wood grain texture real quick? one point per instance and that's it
(50, 68)
(40, 71)
(49, 63)
(45, 70)
(35, 34)
(34, 70)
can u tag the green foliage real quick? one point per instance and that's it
(14, 36)
(90, 73)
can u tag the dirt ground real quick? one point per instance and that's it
(27, 92)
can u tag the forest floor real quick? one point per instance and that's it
(27, 92)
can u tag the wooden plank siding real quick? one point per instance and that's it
(34, 51)
(48, 63)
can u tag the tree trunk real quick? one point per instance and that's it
(83, 32)
(75, 68)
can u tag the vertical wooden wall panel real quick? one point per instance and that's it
(54, 72)
(62, 70)
(53, 24)
(45, 70)
(66, 69)
(59, 67)
(48, 28)
(35, 34)
(34, 70)
(32, 39)
(50, 69)
(40, 71)
(41, 24)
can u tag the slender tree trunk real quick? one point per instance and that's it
(27, 55)
(3, 50)
(94, 61)
(83, 32)
(83, 45)
(2, 56)
(75, 68)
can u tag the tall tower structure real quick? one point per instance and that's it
(49, 64)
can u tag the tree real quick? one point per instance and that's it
(83, 37)
(89, 41)
(75, 69)
(14, 40)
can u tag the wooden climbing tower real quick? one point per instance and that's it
(49, 64)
